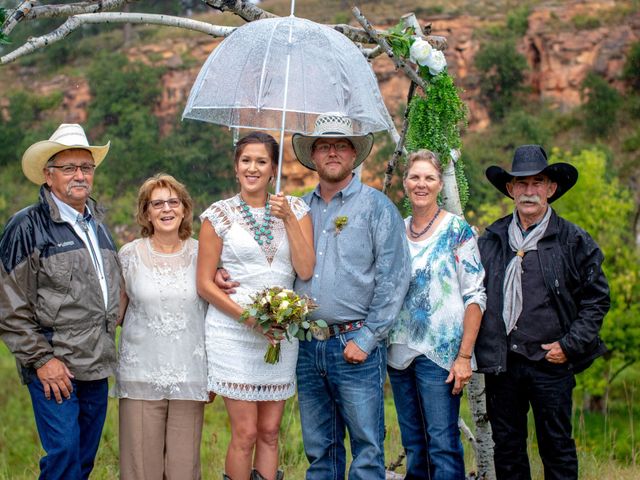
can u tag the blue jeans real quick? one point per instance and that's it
(334, 395)
(70, 431)
(428, 418)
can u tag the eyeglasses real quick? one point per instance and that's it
(172, 202)
(70, 169)
(338, 147)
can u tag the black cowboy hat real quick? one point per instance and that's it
(532, 160)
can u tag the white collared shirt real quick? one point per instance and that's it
(70, 215)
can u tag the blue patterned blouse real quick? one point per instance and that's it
(446, 277)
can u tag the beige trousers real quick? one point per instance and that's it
(160, 439)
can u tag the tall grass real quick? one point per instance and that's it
(607, 446)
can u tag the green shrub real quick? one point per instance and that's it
(631, 71)
(341, 17)
(632, 143)
(601, 102)
(502, 73)
(585, 22)
(518, 20)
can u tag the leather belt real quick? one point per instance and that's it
(325, 333)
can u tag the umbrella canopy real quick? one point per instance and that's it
(290, 65)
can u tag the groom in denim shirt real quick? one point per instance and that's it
(360, 279)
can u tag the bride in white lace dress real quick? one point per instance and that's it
(262, 240)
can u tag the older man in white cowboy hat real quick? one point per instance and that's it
(361, 276)
(546, 299)
(59, 300)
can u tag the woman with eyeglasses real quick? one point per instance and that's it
(161, 378)
(262, 240)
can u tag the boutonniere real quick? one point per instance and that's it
(340, 223)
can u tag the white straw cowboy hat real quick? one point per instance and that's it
(331, 125)
(66, 137)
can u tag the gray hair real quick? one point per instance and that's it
(426, 156)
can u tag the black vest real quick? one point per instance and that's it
(538, 323)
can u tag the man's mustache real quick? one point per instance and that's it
(78, 185)
(529, 198)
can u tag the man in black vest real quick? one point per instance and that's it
(546, 299)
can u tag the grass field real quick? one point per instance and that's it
(606, 445)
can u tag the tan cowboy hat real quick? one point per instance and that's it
(66, 137)
(531, 160)
(331, 125)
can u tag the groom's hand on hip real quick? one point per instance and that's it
(353, 353)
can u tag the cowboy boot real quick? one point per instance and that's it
(256, 475)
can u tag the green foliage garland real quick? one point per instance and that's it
(3, 16)
(436, 115)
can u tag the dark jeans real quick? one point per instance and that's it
(335, 395)
(428, 419)
(547, 388)
(70, 431)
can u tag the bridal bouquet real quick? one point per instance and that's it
(284, 312)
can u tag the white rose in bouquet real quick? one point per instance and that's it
(283, 305)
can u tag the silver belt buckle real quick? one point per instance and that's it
(320, 333)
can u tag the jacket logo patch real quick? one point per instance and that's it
(66, 244)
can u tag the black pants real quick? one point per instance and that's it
(547, 388)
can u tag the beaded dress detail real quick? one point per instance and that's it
(162, 351)
(235, 352)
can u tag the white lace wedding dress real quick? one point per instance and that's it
(161, 354)
(235, 352)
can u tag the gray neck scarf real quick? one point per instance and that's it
(512, 307)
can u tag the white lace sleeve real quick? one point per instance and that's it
(219, 215)
(299, 206)
(127, 255)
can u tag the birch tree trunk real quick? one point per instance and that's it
(482, 443)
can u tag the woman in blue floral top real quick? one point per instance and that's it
(431, 344)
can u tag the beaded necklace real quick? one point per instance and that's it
(415, 234)
(259, 230)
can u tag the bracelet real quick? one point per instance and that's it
(465, 356)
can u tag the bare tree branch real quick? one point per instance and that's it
(400, 150)
(76, 21)
(244, 9)
(27, 10)
(68, 9)
(16, 17)
(413, 76)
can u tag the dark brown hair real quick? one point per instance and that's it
(267, 140)
(162, 180)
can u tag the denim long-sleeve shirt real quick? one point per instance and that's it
(363, 269)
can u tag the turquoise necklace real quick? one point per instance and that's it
(259, 230)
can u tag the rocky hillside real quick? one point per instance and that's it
(564, 41)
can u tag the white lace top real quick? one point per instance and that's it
(162, 351)
(235, 352)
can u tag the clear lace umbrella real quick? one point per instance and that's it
(280, 74)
